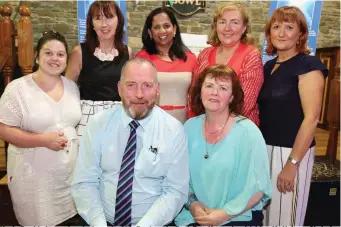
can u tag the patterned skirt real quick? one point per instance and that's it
(288, 209)
(89, 109)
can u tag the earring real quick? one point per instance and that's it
(174, 34)
(150, 36)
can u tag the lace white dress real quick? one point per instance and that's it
(39, 179)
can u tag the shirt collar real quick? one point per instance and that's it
(143, 122)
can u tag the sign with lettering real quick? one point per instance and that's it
(186, 7)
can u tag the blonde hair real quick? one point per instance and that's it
(213, 36)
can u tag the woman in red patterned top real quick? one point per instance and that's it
(230, 46)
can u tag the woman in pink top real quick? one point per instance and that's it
(162, 45)
(230, 41)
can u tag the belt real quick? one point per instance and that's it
(172, 107)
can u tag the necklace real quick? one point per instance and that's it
(105, 57)
(226, 59)
(221, 132)
(222, 126)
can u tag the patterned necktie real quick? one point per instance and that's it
(125, 180)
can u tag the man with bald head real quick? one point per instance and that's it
(132, 167)
(138, 88)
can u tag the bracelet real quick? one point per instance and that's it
(191, 198)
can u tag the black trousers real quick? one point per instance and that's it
(257, 220)
(169, 224)
(76, 220)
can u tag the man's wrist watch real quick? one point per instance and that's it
(293, 161)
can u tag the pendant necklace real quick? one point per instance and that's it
(226, 59)
(221, 132)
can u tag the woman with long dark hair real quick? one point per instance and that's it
(163, 46)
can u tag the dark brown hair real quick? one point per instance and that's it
(48, 36)
(290, 14)
(91, 40)
(221, 72)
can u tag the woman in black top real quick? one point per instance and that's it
(96, 64)
(289, 109)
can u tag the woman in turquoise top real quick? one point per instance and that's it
(229, 166)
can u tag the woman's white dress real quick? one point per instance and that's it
(39, 179)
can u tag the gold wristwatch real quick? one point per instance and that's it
(293, 161)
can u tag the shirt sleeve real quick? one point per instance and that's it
(86, 178)
(174, 188)
(200, 65)
(143, 54)
(312, 63)
(251, 79)
(192, 60)
(75, 89)
(10, 105)
(191, 197)
(253, 173)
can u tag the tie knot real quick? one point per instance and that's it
(134, 124)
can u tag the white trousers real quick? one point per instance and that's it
(288, 209)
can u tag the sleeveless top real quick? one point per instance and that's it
(174, 78)
(280, 108)
(98, 79)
